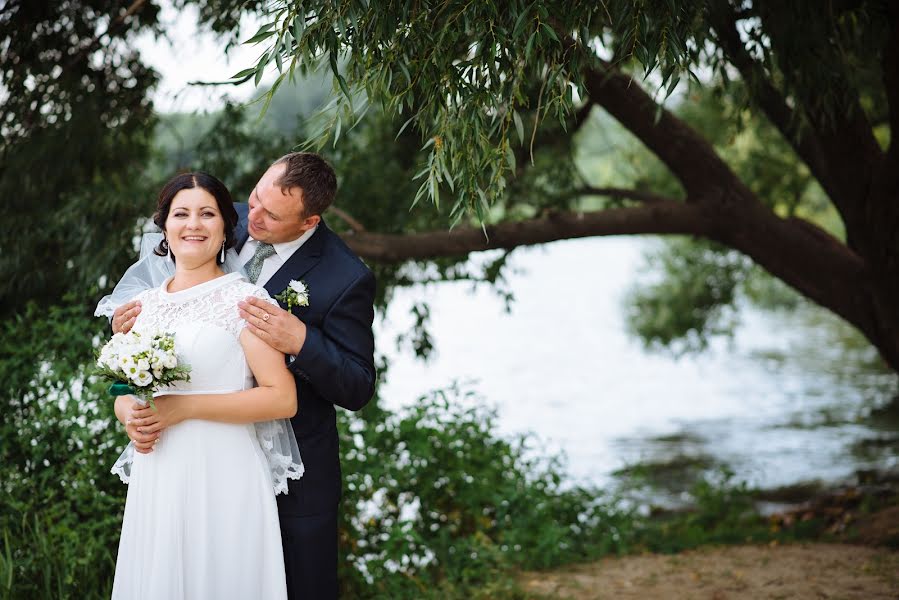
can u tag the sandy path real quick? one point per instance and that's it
(800, 571)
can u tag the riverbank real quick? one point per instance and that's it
(802, 571)
(848, 548)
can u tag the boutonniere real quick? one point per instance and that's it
(295, 294)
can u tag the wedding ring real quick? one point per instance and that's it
(265, 317)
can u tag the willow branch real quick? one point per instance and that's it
(662, 217)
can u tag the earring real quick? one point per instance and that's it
(222, 255)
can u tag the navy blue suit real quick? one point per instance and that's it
(334, 367)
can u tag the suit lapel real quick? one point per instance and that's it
(306, 257)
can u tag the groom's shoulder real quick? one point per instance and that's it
(340, 253)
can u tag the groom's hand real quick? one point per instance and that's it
(272, 324)
(124, 316)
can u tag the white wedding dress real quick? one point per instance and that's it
(201, 520)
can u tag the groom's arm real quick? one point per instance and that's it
(338, 358)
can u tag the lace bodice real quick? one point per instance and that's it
(207, 326)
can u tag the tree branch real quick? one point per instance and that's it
(891, 81)
(355, 225)
(806, 144)
(796, 251)
(689, 156)
(657, 217)
(850, 153)
(631, 194)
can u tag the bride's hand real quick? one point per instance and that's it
(150, 422)
(143, 442)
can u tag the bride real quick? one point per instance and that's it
(200, 518)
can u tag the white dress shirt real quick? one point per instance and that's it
(283, 251)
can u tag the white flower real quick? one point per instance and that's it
(142, 378)
(295, 294)
(143, 364)
(170, 361)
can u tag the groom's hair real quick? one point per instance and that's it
(313, 175)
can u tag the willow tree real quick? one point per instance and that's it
(487, 84)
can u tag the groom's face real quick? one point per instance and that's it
(276, 215)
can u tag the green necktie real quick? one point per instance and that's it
(254, 265)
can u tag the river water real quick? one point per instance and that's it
(791, 397)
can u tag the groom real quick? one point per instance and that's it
(281, 237)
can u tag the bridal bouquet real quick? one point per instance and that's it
(140, 364)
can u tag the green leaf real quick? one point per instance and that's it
(422, 190)
(510, 158)
(244, 73)
(529, 48)
(519, 22)
(405, 71)
(672, 84)
(448, 178)
(262, 35)
(435, 190)
(403, 128)
(519, 126)
(337, 128)
(332, 57)
(549, 30)
(260, 70)
(299, 27)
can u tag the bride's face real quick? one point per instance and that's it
(194, 228)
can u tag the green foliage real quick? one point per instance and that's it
(692, 298)
(483, 86)
(76, 129)
(476, 79)
(692, 292)
(722, 512)
(438, 505)
(464, 85)
(238, 150)
(60, 514)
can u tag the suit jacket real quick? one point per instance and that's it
(336, 363)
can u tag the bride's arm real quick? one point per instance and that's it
(275, 396)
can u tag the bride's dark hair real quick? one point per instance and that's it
(186, 181)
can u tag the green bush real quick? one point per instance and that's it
(61, 509)
(437, 504)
